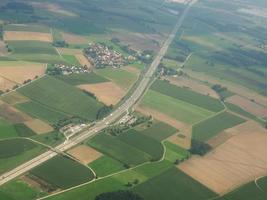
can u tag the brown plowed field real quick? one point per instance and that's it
(12, 114)
(241, 159)
(248, 105)
(108, 92)
(39, 126)
(24, 35)
(85, 154)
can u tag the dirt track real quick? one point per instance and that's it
(241, 159)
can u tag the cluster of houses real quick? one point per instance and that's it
(67, 70)
(103, 56)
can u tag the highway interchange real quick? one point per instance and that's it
(113, 117)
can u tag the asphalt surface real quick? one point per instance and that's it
(114, 116)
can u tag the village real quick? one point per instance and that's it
(102, 56)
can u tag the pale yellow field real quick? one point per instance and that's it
(108, 92)
(240, 159)
(85, 154)
(23, 35)
(39, 126)
(19, 74)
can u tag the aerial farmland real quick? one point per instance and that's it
(133, 100)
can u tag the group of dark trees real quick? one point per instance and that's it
(61, 44)
(104, 111)
(199, 147)
(119, 195)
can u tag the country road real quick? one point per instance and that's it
(115, 115)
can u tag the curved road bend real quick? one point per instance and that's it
(105, 122)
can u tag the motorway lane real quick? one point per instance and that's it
(115, 115)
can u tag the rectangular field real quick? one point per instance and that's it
(207, 129)
(119, 150)
(107, 92)
(159, 131)
(63, 172)
(203, 101)
(105, 165)
(175, 108)
(53, 93)
(27, 36)
(144, 143)
(122, 78)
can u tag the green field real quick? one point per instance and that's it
(14, 152)
(105, 165)
(159, 131)
(188, 96)
(119, 150)
(248, 191)
(177, 109)
(174, 152)
(32, 47)
(61, 97)
(19, 190)
(63, 172)
(173, 185)
(13, 147)
(79, 79)
(207, 129)
(121, 77)
(28, 27)
(115, 182)
(41, 111)
(7, 130)
(144, 143)
(71, 59)
(23, 131)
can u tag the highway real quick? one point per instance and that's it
(115, 115)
